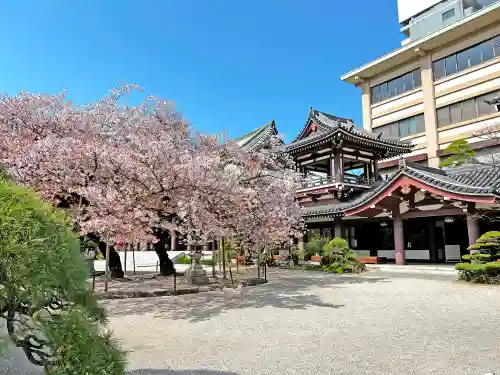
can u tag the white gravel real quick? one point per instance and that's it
(315, 323)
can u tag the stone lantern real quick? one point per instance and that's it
(195, 274)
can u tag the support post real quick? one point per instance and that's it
(375, 176)
(173, 240)
(106, 268)
(133, 254)
(219, 255)
(213, 258)
(472, 228)
(125, 248)
(337, 166)
(223, 243)
(338, 228)
(399, 240)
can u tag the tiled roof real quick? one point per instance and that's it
(477, 181)
(330, 125)
(323, 127)
(253, 140)
(340, 208)
(484, 176)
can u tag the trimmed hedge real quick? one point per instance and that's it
(187, 260)
(207, 262)
(183, 260)
(484, 273)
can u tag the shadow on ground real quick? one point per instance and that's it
(179, 372)
(287, 289)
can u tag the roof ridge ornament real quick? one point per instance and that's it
(402, 162)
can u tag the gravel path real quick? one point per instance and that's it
(315, 323)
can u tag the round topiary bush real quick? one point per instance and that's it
(44, 293)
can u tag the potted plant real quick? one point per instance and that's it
(313, 248)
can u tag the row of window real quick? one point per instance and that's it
(466, 109)
(451, 114)
(446, 66)
(468, 58)
(396, 86)
(404, 127)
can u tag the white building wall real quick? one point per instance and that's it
(409, 8)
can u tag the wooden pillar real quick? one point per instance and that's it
(336, 166)
(472, 228)
(433, 246)
(375, 170)
(173, 240)
(367, 170)
(399, 240)
(332, 166)
(338, 228)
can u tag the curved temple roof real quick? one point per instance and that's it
(323, 127)
(258, 137)
(473, 185)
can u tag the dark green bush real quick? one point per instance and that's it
(44, 292)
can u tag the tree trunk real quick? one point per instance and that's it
(115, 263)
(166, 265)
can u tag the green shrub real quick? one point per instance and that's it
(467, 257)
(341, 257)
(480, 258)
(183, 260)
(485, 273)
(489, 243)
(44, 282)
(493, 268)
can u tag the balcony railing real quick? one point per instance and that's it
(346, 179)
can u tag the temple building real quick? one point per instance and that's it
(440, 86)
(418, 213)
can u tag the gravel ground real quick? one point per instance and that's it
(316, 323)
(312, 323)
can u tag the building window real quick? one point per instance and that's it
(466, 109)
(396, 86)
(404, 127)
(467, 58)
(448, 14)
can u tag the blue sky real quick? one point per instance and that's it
(230, 65)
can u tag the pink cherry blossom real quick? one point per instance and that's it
(123, 170)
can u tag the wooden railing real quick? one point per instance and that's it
(346, 179)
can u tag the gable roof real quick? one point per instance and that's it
(322, 127)
(258, 137)
(326, 127)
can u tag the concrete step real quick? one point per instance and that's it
(417, 268)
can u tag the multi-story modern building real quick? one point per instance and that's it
(432, 90)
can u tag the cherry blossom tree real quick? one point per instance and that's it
(130, 173)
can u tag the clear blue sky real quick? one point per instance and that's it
(228, 64)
